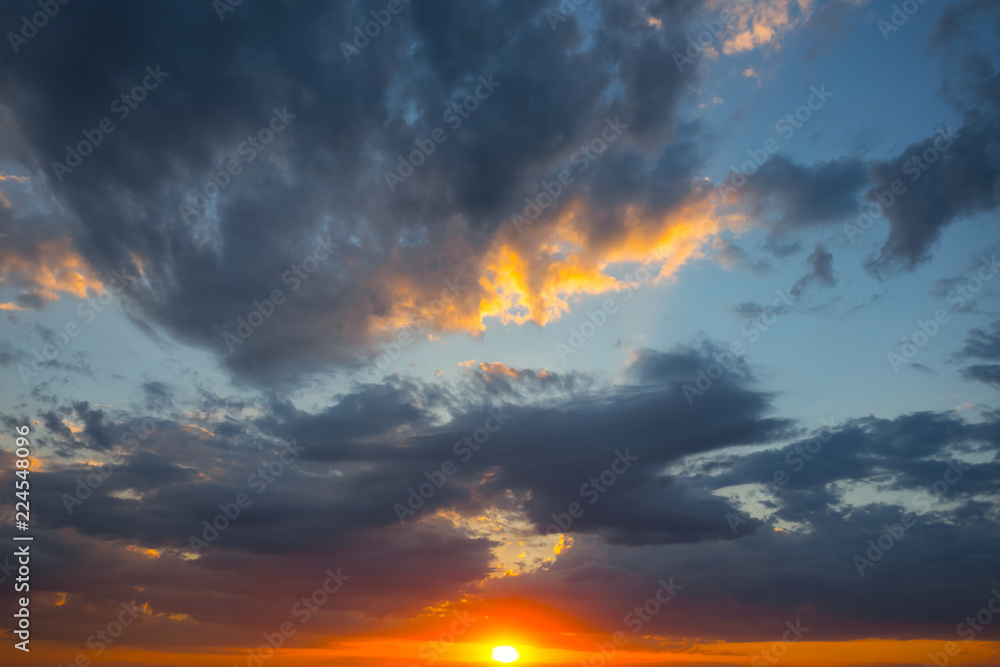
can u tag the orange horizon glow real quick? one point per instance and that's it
(541, 635)
(402, 653)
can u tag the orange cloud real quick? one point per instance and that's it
(148, 553)
(535, 277)
(761, 23)
(499, 368)
(53, 268)
(573, 259)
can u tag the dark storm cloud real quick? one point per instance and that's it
(787, 196)
(334, 504)
(770, 576)
(954, 22)
(352, 458)
(986, 373)
(322, 177)
(984, 344)
(158, 395)
(655, 423)
(907, 453)
(942, 184)
(746, 589)
(956, 172)
(952, 174)
(820, 272)
(95, 428)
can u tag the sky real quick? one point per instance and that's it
(384, 333)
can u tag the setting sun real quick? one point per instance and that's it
(505, 654)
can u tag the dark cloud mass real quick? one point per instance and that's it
(338, 497)
(982, 344)
(322, 178)
(820, 271)
(790, 196)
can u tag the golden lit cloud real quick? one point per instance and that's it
(4, 176)
(519, 548)
(499, 368)
(148, 553)
(53, 268)
(761, 23)
(537, 276)
(524, 284)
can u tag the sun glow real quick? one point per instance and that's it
(505, 654)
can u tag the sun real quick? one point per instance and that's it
(505, 654)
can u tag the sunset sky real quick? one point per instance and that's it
(388, 332)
